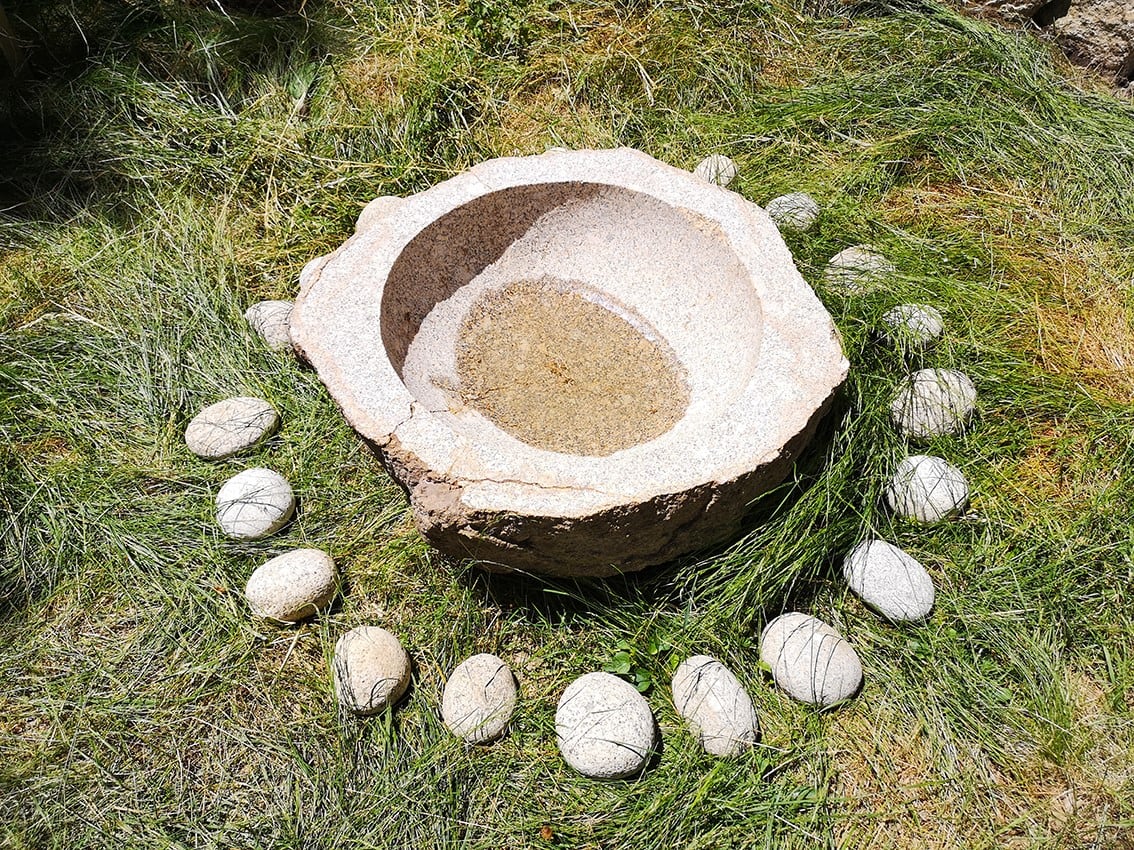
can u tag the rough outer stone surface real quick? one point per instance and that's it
(230, 426)
(292, 586)
(271, 320)
(857, 269)
(371, 670)
(889, 580)
(716, 706)
(927, 488)
(479, 699)
(810, 660)
(933, 402)
(604, 727)
(376, 211)
(254, 503)
(913, 325)
(703, 271)
(1099, 34)
(795, 211)
(716, 168)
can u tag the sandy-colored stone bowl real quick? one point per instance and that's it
(580, 363)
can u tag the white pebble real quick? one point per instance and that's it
(292, 586)
(479, 699)
(857, 269)
(795, 211)
(810, 660)
(889, 580)
(230, 426)
(927, 488)
(933, 402)
(371, 669)
(716, 706)
(604, 727)
(913, 325)
(716, 168)
(272, 321)
(254, 503)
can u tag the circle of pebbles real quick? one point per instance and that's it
(933, 402)
(889, 580)
(371, 670)
(716, 168)
(604, 727)
(715, 705)
(810, 660)
(254, 503)
(271, 320)
(795, 211)
(479, 699)
(230, 426)
(927, 489)
(292, 586)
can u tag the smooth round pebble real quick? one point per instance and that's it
(889, 580)
(857, 269)
(927, 488)
(795, 211)
(715, 705)
(230, 426)
(716, 168)
(810, 660)
(292, 586)
(371, 669)
(604, 727)
(479, 699)
(271, 320)
(254, 503)
(913, 325)
(375, 211)
(933, 402)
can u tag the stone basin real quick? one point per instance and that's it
(581, 363)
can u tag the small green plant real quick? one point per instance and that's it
(635, 662)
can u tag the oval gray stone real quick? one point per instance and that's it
(254, 503)
(933, 402)
(913, 325)
(889, 580)
(857, 269)
(479, 699)
(604, 727)
(371, 670)
(230, 426)
(810, 660)
(272, 321)
(292, 586)
(716, 706)
(716, 168)
(794, 211)
(927, 488)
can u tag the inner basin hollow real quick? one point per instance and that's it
(563, 368)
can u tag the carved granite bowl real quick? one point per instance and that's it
(580, 363)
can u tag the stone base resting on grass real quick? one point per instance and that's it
(579, 363)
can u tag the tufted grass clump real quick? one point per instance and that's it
(167, 164)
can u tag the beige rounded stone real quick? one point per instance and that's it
(716, 706)
(858, 269)
(254, 503)
(578, 363)
(927, 489)
(933, 402)
(809, 660)
(794, 211)
(292, 586)
(716, 168)
(371, 670)
(272, 321)
(479, 699)
(230, 426)
(604, 727)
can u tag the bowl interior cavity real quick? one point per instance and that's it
(574, 317)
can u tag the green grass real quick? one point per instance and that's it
(169, 164)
